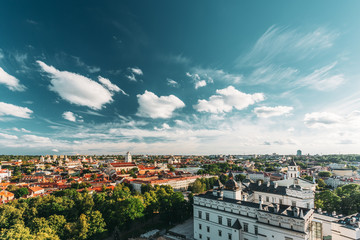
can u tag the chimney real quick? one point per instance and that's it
(333, 213)
(260, 205)
(268, 184)
(301, 214)
(276, 208)
(276, 185)
(319, 210)
(259, 183)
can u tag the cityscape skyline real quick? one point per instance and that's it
(179, 78)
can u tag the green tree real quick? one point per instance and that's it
(240, 177)
(324, 174)
(17, 232)
(198, 186)
(21, 192)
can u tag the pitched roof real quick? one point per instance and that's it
(237, 225)
(6, 194)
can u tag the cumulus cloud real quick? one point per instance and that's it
(153, 106)
(8, 136)
(172, 82)
(322, 120)
(10, 82)
(201, 83)
(70, 116)
(7, 109)
(266, 112)
(226, 99)
(133, 72)
(76, 88)
(110, 86)
(137, 71)
(197, 80)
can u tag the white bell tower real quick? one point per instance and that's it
(128, 157)
(293, 170)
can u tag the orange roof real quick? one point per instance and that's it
(36, 188)
(6, 194)
(123, 164)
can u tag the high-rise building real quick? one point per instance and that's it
(298, 153)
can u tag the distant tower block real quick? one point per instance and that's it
(298, 153)
(128, 157)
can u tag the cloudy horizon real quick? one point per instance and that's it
(179, 78)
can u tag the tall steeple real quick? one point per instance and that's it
(128, 157)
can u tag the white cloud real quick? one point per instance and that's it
(172, 82)
(76, 88)
(227, 99)
(55, 150)
(110, 86)
(7, 136)
(345, 122)
(164, 126)
(322, 120)
(284, 42)
(266, 112)
(321, 79)
(11, 82)
(210, 75)
(7, 109)
(201, 83)
(271, 74)
(25, 130)
(70, 116)
(132, 77)
(137, 71)
(153, 106)
(1, 54)
(36, 139)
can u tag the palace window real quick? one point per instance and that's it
(208, 229)
(229, 236)
(220, 233)
(256, 230)
(199, 226)
(267, 199)
(246, 227)
(200, 214)
(229, 222)
(220, 219)
(207, 216)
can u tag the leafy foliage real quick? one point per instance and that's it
(69, 214)
(344, 200)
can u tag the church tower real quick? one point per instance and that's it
(128, 157)
(293, 170)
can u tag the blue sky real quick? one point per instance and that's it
(186, 77)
